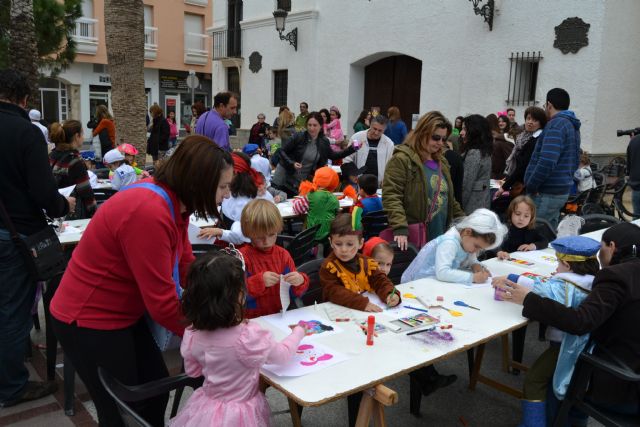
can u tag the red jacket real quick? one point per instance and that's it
(262, 300)
(123, 264)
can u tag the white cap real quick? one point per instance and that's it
(35, 115)
(113, 156)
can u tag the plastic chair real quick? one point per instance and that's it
(595, 222)
(373, 223)
(577, 389)
(300, 245)
(401, 260)
(546, 229)
(123, 394)
(314, 293)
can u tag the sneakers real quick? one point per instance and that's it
(33, 390)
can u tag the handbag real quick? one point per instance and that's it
(42, 251)
(418, 234)
(164, 338)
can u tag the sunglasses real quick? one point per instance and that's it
(438, 138)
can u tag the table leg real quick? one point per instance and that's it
(295, 414)
(366, 408)
(353, 406)
(517, 347)
(506, 357)
(470, 361)
(476, 367)
(372, 405)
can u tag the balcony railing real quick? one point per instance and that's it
(227, 44)
(150, 43)
(196, 48)
(197, 2)
(85, 34)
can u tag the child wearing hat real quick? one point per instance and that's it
(258, 162)
(349, 182)
(123, 174)
(368, 200)
(577, 266)
(89, 158)
(318, 202)
(130, 152)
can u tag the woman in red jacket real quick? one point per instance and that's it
(129, 262)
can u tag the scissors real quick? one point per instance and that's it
(464, 304)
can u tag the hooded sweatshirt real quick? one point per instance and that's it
(555, 157)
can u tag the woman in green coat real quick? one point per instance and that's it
(416, 173)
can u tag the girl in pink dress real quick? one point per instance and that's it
(225, 348)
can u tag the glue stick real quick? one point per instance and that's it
(371, 323)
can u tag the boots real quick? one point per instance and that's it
(533, 414)
(430, 380)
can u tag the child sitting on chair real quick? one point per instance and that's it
(368, 200)
(522, 234)
(123, 174)
(346, 274)
(577, 266)
(381, 251)
(267, 263)
(453, 256)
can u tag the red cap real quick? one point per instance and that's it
(367, 249)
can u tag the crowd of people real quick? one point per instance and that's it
(433, 184)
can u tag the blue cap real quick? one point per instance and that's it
(577, 246)
(88, 155)
(250, 149)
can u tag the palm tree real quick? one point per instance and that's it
(124, 31)
(23, 49)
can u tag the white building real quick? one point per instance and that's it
(433, 54)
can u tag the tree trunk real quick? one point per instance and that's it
(124, 30)
(23, 48)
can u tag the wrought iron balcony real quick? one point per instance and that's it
(227, 44)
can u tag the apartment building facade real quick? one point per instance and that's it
(175, 45)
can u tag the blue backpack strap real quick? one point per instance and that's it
(160, 191)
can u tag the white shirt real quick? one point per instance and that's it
(123, 176)
(43, 129)
(262, 165)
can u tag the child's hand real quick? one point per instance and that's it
(481, 276)
(294, 278)
(270, 279)
(503, 255)
(372, 308)
(210, 233)
(393, 300)
(277, 199)
(529, 247)
(498, 280)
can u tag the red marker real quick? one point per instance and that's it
(371, 323)
(342, 319)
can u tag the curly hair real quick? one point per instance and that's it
(215, 292)
(13, 85)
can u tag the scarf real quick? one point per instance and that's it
(521, 140)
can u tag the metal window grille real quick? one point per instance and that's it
(523, 78)
(280, 83)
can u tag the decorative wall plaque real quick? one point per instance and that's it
(571, 35)
(255, 62)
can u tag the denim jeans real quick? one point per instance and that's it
(17, 293)
(635, 201)
(548, 206)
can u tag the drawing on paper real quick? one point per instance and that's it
(313, 327)
(520, 262)
(307, 355)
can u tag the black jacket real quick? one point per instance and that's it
(292, 151)
(456, 167)
(521, 236)
(27, 185)
(522, 161)
(159, 137)
(611, 313)
(633, 162)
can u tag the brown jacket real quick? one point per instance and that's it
(501, 151)
(335, 290)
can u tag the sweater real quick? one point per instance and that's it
(517, 237)
(111, 130)
(27, 186)
(396, 131)
(260, 299)
(122, 268)
(405, 193)
(343, 283)
(363, 207)
(211, 125)
(475, 184)
(384, 151)
(609, 313)
(69, 169)
(555, 157)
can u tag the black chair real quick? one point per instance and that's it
(314, 293)
(123, 394)
(546, 229)
(595, 222)
(577, 389)
(373, 223)
(401, 260)
(103, 194)
(300, 245)
(102, 173)
(591, 208)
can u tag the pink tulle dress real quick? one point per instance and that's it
(230, 360)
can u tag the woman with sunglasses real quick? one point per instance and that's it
(477, 149)
(417, 186)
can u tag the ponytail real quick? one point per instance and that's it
(62, 134)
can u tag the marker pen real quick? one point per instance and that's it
(371, 323)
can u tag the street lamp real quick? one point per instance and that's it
(280, 16)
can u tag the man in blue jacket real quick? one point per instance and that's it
(549, 176)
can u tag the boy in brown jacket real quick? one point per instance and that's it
(346, 273)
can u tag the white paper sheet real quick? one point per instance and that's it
(308, 358)
(66, 191)
(316, 320)
(70, 230)
(193, 236)
(542, 257)
(285, 298)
